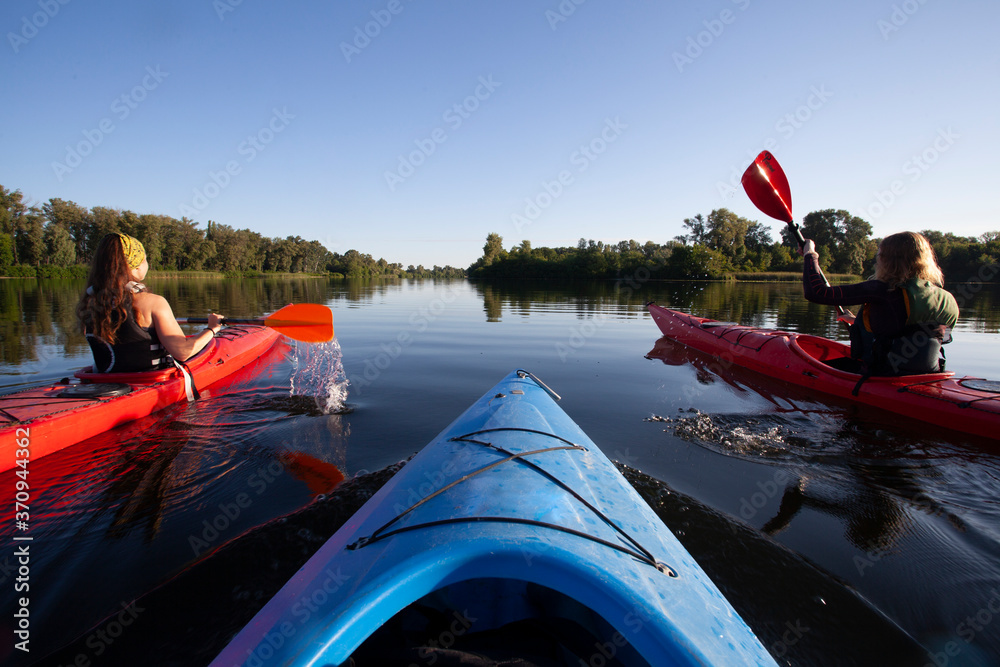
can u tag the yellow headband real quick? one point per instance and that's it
(134, 252)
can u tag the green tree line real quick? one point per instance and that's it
(59, 238)
(723, 244)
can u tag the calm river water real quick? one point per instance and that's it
(843, 537)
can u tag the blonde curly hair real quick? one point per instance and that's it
(904, 256)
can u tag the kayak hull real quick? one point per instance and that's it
(49, 422)
(511, 500)
(802, 360)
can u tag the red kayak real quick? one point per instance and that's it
(967, 405)
(46, 419)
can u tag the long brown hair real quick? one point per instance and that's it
(904, 256)
(107, 301)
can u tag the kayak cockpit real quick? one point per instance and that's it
(820, 349)
(490, 621)
(167, 372)
(836, 356)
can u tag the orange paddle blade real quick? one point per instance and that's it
(307, 334)
(306, 322)
(300, 315)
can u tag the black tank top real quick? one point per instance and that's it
(137, 349)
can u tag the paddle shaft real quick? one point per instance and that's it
(802, 241)
(264, 322)
(225, 320)
(797, 232)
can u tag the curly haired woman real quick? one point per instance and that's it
(128, 327)
(906, 314)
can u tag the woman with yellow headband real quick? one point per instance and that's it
(129, 328)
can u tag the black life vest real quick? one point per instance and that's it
(136, 349)
(931, 312)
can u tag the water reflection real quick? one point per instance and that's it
(775, 305)
(37, 313)
(38, 321)
(117, 513)
(876, 514)
(139, 486)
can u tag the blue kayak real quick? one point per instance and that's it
(509, 536)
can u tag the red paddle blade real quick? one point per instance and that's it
(767, 187)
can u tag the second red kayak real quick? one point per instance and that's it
(967, 405)
(38, 421)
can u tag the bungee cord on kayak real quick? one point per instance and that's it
(638, 551)
(523, 373)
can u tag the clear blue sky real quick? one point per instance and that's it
(671, 101)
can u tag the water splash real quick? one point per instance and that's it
(801, 436)
(753, 437)
(318, 372)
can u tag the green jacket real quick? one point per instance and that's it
(926, 303)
